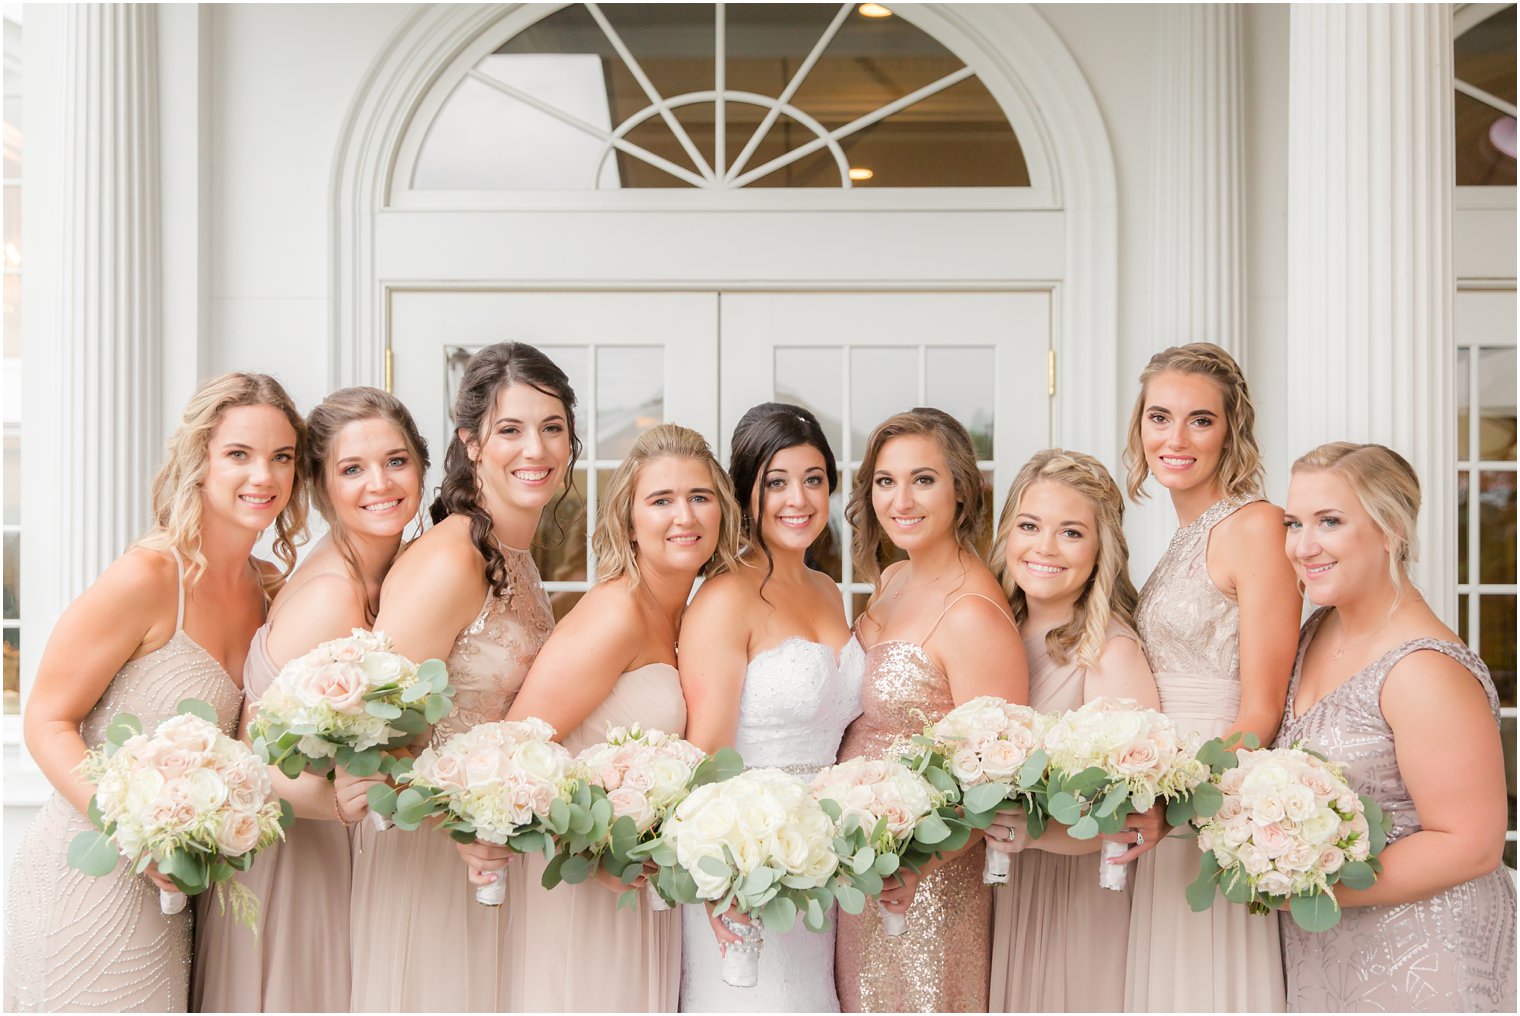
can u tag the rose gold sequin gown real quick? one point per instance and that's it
(1226, 958)
(1058, 937)
(573, 950)
(298, 960)
(73, 942)
(420, 941)
(942, 963)
(1452, 952)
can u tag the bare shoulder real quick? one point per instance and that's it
(142, 571)
(1430, 679)
(445, 552)
(1253, 527)
(606, 617)
(974, 614)
(724, 598)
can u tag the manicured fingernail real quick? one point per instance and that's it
(493, 876)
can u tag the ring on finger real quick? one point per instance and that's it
(1139, 838)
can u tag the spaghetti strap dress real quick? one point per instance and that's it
(77, 943)
(1225, 959)
(420, 941)
(942, 963)
(295, 959)
(1453, 952)
(1059, 938)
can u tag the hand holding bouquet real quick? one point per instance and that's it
(878, 808)
(197, 802)
(987, 754)
(346, 703)
(1109, 758)
(641, 775)
(507, 783)
(757, 843)
(1287, 828)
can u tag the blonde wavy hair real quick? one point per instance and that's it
(1240, 470)
(973, 503)
(177, 502)
(1108, 595)
(1388, 489)
(613, 543)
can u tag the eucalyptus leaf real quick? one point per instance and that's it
(92, 812)
(1236, 886)
(850, 899)
(381, 798)
(1084, 828)
(435, 707)
(1064, 808)
(931, 830)
(384, 710)
(1207, 800)
(779, 914)
(575, 869)
(986, 796)
(196, 707)
(363, 763)
(1357, 875)
(93, 853)
(1314, 912)
(411, 723)
(714, 867)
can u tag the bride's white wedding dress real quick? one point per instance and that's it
(796, 703)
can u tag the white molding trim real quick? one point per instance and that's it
(1018, 57)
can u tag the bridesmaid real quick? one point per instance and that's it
(668, 516)
(1216, 619)
(466, 591)
(1058, 937)
(1383, 686)
(169, 620)
(768, 667)
(366, 461)
(929, 632)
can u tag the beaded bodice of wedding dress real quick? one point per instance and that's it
(798, 698)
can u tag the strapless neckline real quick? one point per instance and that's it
(836, 655)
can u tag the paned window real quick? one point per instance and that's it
(1484, 68)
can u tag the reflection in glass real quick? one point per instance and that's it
(1484, 56)
(883, 381)
(1463, 478)
(1496, 526)
(812, 377)
(1464, 402)
(1496, 633)
(12, 595)
(559, 547)
(1462, 618)
(12, 671)
(630, 396)
(1507, 738)
(1496, 392)
(960, 382)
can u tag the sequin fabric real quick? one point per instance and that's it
(943, 962)
(491, 657)
(80, 943)
(1452, 952)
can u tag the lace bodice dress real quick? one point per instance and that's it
(421, 942)
(1452, 952)
(797, 700)
(73, 942)
(1225, 958)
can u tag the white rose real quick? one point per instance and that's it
(1359, 849)
(383, 668)
(1136, 759)
(1319, 827)
(791, 848)
(1300, 857)
(709, 886)
(1272, 840)
(315, 747)
(539, 759)
(1298, 802)
(714, 820)
(238, 832)
(1330, 860)
(1266, 807)
(1002, 759)
(1274, 883)
(634, 804)
(188, 732)
(142, 787)
(966, 767)
(207, 791)
(759, 815)
(1252, 859)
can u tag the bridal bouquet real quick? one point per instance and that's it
(883, 814)
(1288, 828)
(346, 703)
(757, 844)
(187, 796)
(1109, 758)
(987, 753)
(508, 783)
(636, 778)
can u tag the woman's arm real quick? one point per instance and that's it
(575, 671)
(1452, 762)
(714, 656)
(128, 609)
(979, 649)
(431, 594)
(1122, 672)
(1250, 551)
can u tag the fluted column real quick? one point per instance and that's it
(1197, 261)
(109, 287)
(1370, 284)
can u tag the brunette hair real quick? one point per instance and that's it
(761, 433)
(1108, 595)
(177, 502)
(1240, 470)
(971, 495)
(491, 371)
(613, 540)
(325, 423)
(1388, 489)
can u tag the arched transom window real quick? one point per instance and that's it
(719, 97)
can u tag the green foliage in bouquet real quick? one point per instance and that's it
(867, 857)
(977, 806)
(1219, 755)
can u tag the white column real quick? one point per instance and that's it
(108, 294)
(1197, 262)
(1370, 284)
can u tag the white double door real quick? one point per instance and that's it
(701, 359)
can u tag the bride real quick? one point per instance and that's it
(768, 666)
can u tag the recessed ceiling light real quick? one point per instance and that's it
(861, 173)
(874, 11)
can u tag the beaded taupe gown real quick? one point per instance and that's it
(1225, 958)
(420, 941)
(573, 949)
(1058, 937)
(941, 964)
(73, 942)
(1452, 952)
(295, 959)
